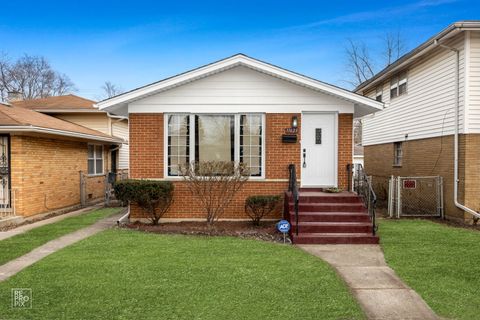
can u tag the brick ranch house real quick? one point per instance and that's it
(40, 160)
(431, 122)
(240, 109)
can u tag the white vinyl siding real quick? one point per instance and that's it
(474, 83)
(240, 89)
(427, 108)
(120, 130)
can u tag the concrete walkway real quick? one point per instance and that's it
(380, 292)
(13, 267)
(26, 227)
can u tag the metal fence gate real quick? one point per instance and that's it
(415, 196)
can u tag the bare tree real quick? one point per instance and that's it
(110, 90)
(214, 183)
(360, 62)
(33, 77)
(394, 47)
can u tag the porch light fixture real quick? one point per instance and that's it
(294, 122)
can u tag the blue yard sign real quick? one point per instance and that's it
(283, 226)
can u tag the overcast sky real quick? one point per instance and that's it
(144, 41)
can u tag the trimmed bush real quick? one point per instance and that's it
(257, 207)
(155, 197)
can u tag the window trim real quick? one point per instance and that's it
(95, 160)
(397, 163)
(192, 145)
(379, 93)
(396, 84)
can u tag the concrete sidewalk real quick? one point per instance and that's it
(13, 267)
(380, 292)
(26, 227)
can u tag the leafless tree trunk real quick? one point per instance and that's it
(33, 77)
(214, 183)
(110, 90)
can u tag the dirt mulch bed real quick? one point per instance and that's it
(267, 231)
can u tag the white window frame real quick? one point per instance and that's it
(379, 93)
(397, 156)
(397, 80)
(95, 160)
(192, 137)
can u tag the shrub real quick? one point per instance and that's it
(258, 207)
(214, 183)
(155, 197)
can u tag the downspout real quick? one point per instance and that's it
(455, 140)
(124, 217)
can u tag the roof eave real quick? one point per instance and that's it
(65, 133)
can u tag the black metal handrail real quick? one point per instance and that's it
(363, 187)
(292, 187)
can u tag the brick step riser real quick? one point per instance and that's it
(330, 218)
(329, 208)
(333, 229)
(335, 240)
(322, 199)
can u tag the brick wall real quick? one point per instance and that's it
(429, 157)
(345, 147)
(45, 174)
(146, 161)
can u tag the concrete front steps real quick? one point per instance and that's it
(331, 218)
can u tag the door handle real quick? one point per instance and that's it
(304, 158)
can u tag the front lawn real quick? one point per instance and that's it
(124, 274)
(23, 243)
(441, 263)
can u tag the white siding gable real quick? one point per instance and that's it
(474, 83)
(120, 129)
(240, 89)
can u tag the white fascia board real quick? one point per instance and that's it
(34, 129)
(238, 60)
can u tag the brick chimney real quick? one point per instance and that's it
(14, 96)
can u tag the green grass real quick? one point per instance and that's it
(441, 263)
(124, 274)
(21, 244)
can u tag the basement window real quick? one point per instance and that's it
(398, 85)
(397, 154)
(95, 159)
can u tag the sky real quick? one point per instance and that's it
(139, 42)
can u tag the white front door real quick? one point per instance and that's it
(319, 150)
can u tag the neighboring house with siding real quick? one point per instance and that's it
(40, 160)
(81, 111)
(428, 93)
(241, 109)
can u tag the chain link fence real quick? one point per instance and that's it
(415, 196)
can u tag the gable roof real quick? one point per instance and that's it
(66, 103)
(115, 104)
(418, 52)
(18, 119)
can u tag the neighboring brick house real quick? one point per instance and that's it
(429, 94)
(41, 158)
(81, 111)
(239, 109)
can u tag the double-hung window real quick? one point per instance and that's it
(95, 159)
(398, 85)
(397, 154)
(379, 93)
(215, 137)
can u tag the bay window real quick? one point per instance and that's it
(215, 137)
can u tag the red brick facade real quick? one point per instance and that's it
(146, 161)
